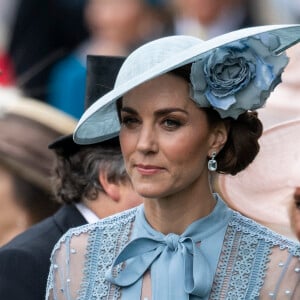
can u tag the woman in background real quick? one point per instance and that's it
(27, 126)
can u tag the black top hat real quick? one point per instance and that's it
(100, 78)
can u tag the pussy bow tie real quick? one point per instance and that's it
(173, 255)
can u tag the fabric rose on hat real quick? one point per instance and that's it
(238, 76)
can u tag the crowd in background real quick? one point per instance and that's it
(44, 44)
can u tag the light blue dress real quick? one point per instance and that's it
(221, 256)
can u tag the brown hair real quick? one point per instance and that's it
(76, 175)
(242, 144)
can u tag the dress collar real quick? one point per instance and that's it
(172, 254)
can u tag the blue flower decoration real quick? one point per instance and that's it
(238, 76)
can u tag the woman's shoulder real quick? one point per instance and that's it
(79, 248)
(113, 222)
(111, 225)
(255, 230)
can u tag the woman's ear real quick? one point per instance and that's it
(112, 189)
(218, 138)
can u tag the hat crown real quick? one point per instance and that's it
(152, 55)
(100, 76)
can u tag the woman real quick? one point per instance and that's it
(183, 105)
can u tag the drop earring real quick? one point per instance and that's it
(212, 164)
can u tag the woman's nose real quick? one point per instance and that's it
(147, 141)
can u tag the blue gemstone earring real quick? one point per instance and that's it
(212, 164)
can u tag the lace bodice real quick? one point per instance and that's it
(252, 262)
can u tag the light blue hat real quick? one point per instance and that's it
(231, 73)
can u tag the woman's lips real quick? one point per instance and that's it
(148, 169)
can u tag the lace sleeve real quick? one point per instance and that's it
(282, 280)
(67, 267)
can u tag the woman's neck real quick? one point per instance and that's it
(175, 213)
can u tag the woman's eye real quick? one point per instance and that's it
(129, 121)
(171, 124)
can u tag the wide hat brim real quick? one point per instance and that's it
(100, 122)
(264, 190)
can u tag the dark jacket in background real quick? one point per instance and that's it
(25, 261)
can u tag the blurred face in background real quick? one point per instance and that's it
(206, 11)
(115, 19)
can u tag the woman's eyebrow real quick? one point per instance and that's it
(158, 112)
(129, 110)
(166, 111)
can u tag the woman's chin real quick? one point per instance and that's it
(151, 193)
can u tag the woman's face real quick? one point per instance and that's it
(165, 138)
(114, 19)
(206, 11)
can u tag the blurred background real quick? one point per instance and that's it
(44, 44)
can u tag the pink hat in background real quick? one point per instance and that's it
(264, 190)
(283, 103)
